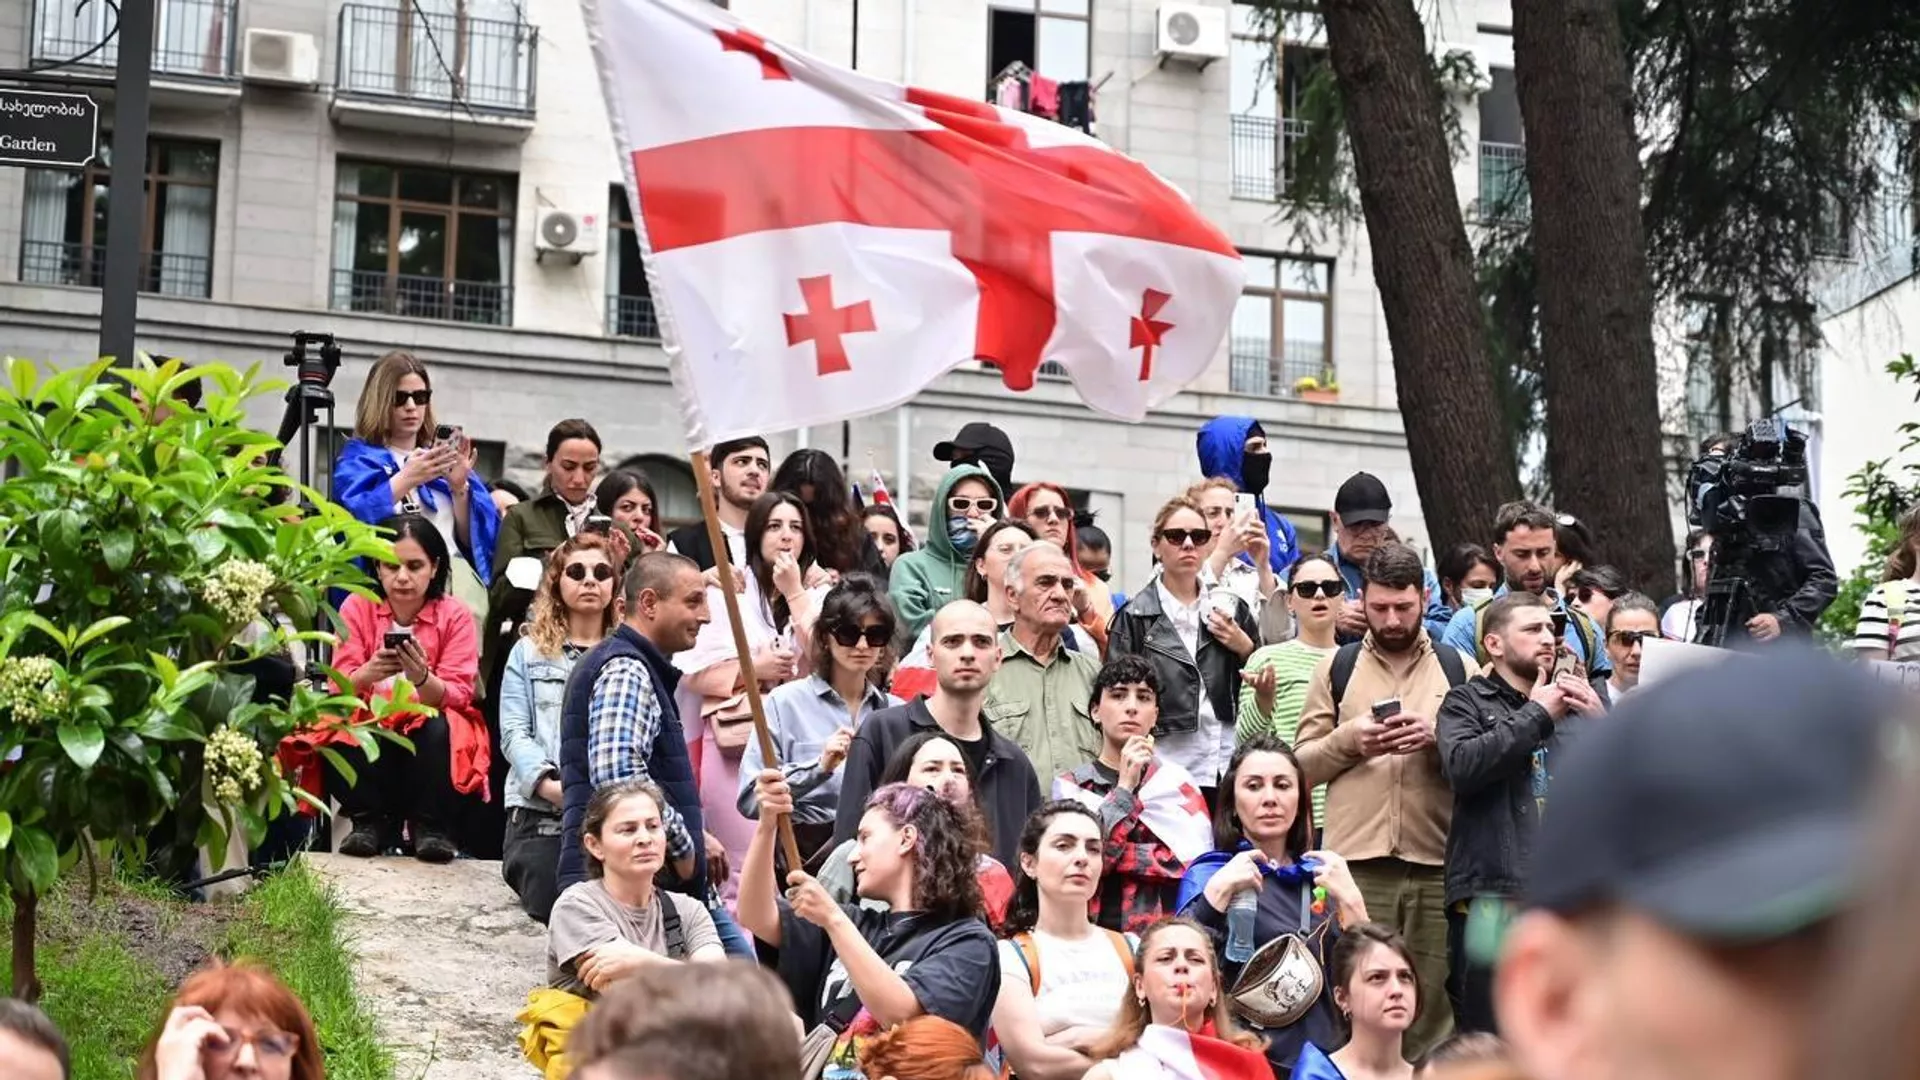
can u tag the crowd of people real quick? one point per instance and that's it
(1273, 812)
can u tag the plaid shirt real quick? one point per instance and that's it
(623, 720)
(1141, 875)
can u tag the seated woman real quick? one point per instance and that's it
(1376, 989)
(1062, 978)
(812, 719)
(777, 610)
(572, 612)
(418, 632)
(930, 760)
(233, 1022)
(1176, 1014)
(924, 1048)
(1262, 834)
(860, 971)
(398, 463)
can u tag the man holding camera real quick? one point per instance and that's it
(1498, 736)
(1771, 571)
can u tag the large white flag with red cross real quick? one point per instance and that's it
(822, 244)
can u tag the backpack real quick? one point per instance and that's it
(1349, 655)
(1029, 950)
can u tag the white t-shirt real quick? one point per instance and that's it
(1204, 751)
(440, 513)
(1082, 983)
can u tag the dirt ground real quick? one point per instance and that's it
(175, 938)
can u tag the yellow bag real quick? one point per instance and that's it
(550, 1016)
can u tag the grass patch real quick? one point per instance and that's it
(109, 964)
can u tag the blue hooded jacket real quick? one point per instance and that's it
(1222, 443)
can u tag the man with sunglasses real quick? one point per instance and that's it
(1632, 619)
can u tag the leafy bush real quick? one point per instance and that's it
(139, 551)
(1879, 499)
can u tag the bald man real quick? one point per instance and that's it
(965, 647)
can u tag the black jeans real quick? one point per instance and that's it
(530, 860)
(1469, 985)
(414, 788)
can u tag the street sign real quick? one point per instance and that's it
(44, 128)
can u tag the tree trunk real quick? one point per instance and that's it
(1604, 448)
(1463, 465)
(26, 975)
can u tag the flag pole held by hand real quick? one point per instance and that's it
(722, 561)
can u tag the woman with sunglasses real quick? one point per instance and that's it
(1197, 640)
(1632, 620)
(396, 464)
(812, 720)
(572, 612)
(922, 582)
(1048, 511)
(1277, 676)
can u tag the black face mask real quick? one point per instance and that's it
(1255, 470)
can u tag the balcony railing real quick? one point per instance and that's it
(1503, 182)
(1263, 149)
(190, 37)
(419, 297)
(438, 59)
(632, 316)
(1255, 370)
(51, 262)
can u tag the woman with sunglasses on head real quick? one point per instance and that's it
(1277, 676)
(234, 1022)
(812, 720)
(572, 612)
(1197, 640)
(1048, 511)
(396, 463)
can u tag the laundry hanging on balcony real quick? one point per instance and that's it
(1020, 87)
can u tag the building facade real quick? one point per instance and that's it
(378, 170)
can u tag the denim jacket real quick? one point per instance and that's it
(531, 694)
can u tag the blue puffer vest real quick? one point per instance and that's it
(668, 764)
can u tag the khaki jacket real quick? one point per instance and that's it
(1394, 806)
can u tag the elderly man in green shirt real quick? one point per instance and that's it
(1039, 696)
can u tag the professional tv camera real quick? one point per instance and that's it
(1748, 497)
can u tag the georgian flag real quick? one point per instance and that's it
(822, 244)
(1183, 1055)
(1170, 805)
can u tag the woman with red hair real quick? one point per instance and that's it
(234, 1022)
(1048, 511)
(924, 1048)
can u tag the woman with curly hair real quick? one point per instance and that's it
(573, 611)
(924, 1048)
(1176, 1014)
(859, 971)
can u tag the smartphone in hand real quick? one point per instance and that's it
(1386, 710)
(1244, 506)
(396, 638)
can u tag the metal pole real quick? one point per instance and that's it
(126, 183)
(855, 65)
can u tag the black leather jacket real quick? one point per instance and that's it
(1141, 628)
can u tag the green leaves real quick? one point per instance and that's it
(83, 741)
(34, 853)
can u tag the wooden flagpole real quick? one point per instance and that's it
(722, 561)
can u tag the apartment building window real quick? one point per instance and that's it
(423, 242)
(479, 52)
(1282, 326)
(1052, 37)
(1503, 153)
(64, 234)
(1266, 81)
(629, 300)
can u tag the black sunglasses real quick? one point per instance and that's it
(1050, 513)
(1181, 537)
(1307, 590)
(418, 397)
(849, 635)
(578, 571)
(1627, 639)
(1103, 575)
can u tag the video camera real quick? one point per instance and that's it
(1730, 493)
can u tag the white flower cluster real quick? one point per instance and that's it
(234, 590)
(27, 690)
(234, 765)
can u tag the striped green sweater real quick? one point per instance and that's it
(1293, 664)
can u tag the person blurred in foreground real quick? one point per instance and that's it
(720, 1022)
(30, 1046)
(1684, 886)
(233, 1022)
(924, 1048)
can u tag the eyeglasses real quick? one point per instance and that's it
(1183, 537)
(1307, 590)
(1627, 639)
(1050, 513)
(849, 635)
(960, 504)
(578, 571)
(418, 397)
(271, 1043)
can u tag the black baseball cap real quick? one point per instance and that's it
(1728, 803)
(1362, 500)
(974, 441)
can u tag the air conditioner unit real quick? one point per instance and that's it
(1191, 33)
(568, 234)
(280, 58)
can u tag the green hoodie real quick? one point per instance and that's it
(925, 579)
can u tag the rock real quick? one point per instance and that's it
(445, 958)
